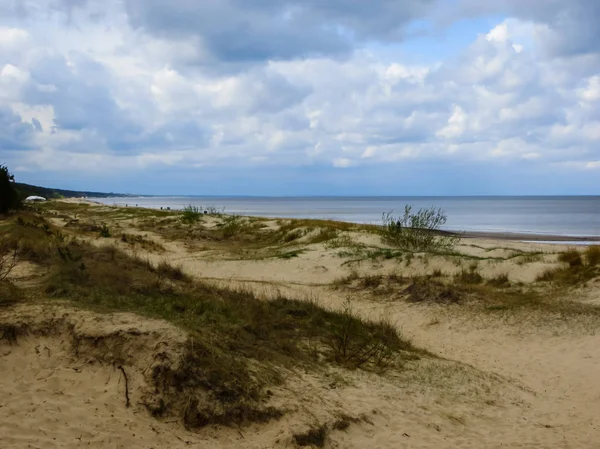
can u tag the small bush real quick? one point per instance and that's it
(356, 344)
(104, 231)
(572, 257)
(232, 225)
(191, 214)
(418, 231)
(592, 255)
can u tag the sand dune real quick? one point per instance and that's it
(520, 378)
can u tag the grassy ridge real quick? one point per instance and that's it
(230, 329)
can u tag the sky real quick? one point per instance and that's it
(302, 97)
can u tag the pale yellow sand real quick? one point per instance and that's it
(502, 384)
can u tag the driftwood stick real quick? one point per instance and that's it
(127, 403)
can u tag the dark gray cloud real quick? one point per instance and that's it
(14, 134)
(81, 97)
(258, 30)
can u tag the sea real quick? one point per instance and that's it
(573, 216)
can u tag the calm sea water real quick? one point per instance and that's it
(569, 216)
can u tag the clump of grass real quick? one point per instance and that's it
(572, 257)
(576, 271)
(9, 293)
(499, 281)
(418, 231)
(191, 214)
(232, 225)
(168, 271)
(469, 277)
(344, 421)
(324, 235)
(341, 241)
(36, 239)
(592, 255)
(428, 290)
(348, 279)
(104, 231)
(11, 332)
(315, 436)
(396, 278)
(142, 241)
(293, 235)
(523, 259)
(213, 210)
(355, 345)
(290, 254)
(10, 256)
(371, 281)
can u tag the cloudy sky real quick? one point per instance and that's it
(302, 97)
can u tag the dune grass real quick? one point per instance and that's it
(577, 268)
(239, 342)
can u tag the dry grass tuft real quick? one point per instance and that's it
(572, 257)
(429, 290)
(500, 281)
(239, 342)
(315, 437)
(592, 255)
(577, 271)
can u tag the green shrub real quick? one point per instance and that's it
(232, 225)
(104, 231)
(191, 214)
(418, 231)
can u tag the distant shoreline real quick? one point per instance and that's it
(490, 235)
(519, 236)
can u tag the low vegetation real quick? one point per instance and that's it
(313, 437)
(240, 343)
(418, 231)
(142, 241)
(577, 268)
(10, 256)
(9, 196)
(191, 214)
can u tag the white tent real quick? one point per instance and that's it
(35, 198)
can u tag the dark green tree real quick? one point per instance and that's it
(9, 197)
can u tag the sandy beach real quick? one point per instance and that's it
(503, 336)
